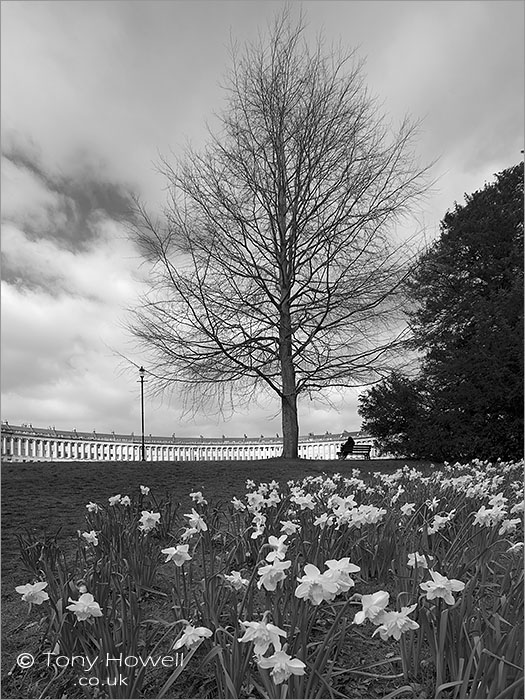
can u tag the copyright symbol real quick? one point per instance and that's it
(25, 660)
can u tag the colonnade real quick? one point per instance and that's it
(20, 444)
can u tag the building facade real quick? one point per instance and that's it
(23, 443)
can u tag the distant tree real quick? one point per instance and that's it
(468, 324)
(394, 413)
(276, 269)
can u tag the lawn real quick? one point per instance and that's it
(51, 498)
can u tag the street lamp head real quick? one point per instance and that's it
(142, 371)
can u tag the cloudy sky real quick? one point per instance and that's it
(94, 92)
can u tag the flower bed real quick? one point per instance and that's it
(273, 595)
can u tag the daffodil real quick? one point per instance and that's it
(85, 607)
(236, 580)
(198, 498)
(315, 586)
(144, 490)
(192, 636)
(393, 624)
(273, 498)
(278, 548)
(195, 521)
(323, 520)
(237, 504)
(178, 555)
(282, 666)
(433, 504)
(91, 537)
(420, 561)
(373, 606)
(149, 520)
(408, 508)
(259, 520)
(33, 593)
(339, 571)
(93, 507)
(255, 501)
(262, 634)
(439, 522)
(441, 587)
(188, 533)
(272, 574)
(509, 526)
(113, 500)
(289, 528)
(304, 501)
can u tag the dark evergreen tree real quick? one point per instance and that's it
(395, 414)
(468, 323)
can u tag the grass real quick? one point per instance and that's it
(51, 497)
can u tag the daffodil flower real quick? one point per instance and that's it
(198, 498)
(236, 580)
(508, 526)
(441, 587)
(304, 501)
(273, 499)
(339, 571)
(149, 521)
(282, 666)
(420, 561)
(272, 574)
(373, 606)
(85, 607)
(33, 593)
(188, 533)
(262, 634)
(255, 501)
(195, 521)
(144, 490)
(323, 520)
(393, 624)
(315, 586)
(289, 528)
(192, 636)
(91, 537)
(93, 507)
(408, 508)
(278, 548)
(237, 504)
(432, 504)
(178, 555)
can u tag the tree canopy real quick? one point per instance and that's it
(276, 269)
(468, 326)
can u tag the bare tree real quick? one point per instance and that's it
(276, 267)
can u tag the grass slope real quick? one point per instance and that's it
(47, 497)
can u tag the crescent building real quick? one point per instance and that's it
(24, 443)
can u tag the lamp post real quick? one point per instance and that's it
(142, 372)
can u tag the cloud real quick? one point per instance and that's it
(65, 206)
(92, 93)
(70, 272)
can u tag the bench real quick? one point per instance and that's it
(361, 450)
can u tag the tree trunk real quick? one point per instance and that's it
(290, 424)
